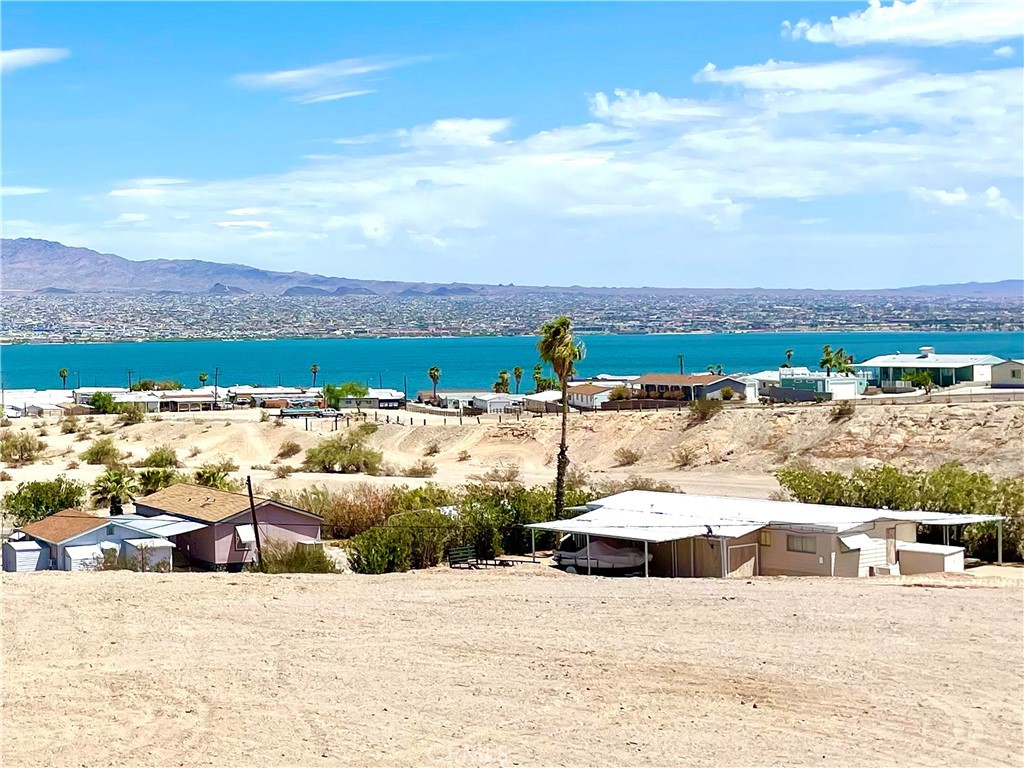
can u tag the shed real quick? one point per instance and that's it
(82, 558)
(26, 555)
(917, 557)
(151, 553)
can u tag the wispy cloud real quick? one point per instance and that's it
(20, 58)
(20, 191)
(1003, 52)
(243, 224)
(784, 75)
(991, 200)
(921, 23)
(332, 81)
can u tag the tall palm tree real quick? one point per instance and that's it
(828, 359)
(682, 364)
(517, 374)
(501, 385)
(114, 487)
(559, 349)
(314, 369)
(538, 374)
(63, 373)
(202, 379)
(435, 376)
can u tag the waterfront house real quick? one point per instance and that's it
(1008, 375)
(548, 401)
(695, 536)
(588, 396)
(698, 386)
(497, 402)
(887, 371)
(226, 539)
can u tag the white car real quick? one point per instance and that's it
(601, 557)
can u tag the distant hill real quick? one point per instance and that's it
(43, 266)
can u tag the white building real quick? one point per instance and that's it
(589, 396)
(542, 402)
(887, 371)
(498, 402)
(1008, 375)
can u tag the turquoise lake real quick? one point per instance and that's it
(464, 362)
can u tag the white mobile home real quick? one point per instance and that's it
(690, 535)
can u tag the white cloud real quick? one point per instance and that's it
(326, 82)
(22, 191)
(246, 211)
(1003, 52)
(243, 224)
(20, 58)
(126, 219)
(991, 200)
(456, 132)
(630, 107)
(921, 23)
(788, 75)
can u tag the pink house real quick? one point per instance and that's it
(228, 540)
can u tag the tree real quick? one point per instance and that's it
(841, 361)
(334, 394)
(501, 385)
(314, 369)
(517, 374)
(103, 402)
(538, 375)
(920, 379)
(435, 376)
(114, 487)
(789, 359)
(63, 373)
(828, 359)
(202, 379)
(682, 366)
(153, 479)
(560, 350)
(41, 498)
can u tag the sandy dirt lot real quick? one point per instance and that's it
(522, 666)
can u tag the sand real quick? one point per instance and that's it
(524, 666)
(736, 453)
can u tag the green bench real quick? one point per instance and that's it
(462, 557)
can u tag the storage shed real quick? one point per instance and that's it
(917, 557)
(27, 555)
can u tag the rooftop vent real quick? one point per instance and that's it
(927, 351)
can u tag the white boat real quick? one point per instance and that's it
(602, 557)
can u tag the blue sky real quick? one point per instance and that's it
(756, 144)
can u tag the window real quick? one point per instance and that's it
(1015, 374)
(805, 544)
(764, 538)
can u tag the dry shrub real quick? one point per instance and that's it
(500, 474)
(683, 456)
(288, 449)
(627, 457)
(421, 468)
(463, 455)
(283, 471)
(432, 450)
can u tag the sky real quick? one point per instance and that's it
(823, 145)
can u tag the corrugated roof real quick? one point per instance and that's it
(588, 389)
(63, 525)
(686, 379)
(933, 360)
(198, 502)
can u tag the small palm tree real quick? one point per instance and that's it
(153, 479)
(314, 369)
(435, 376)
(501, 385)
(202, 379)
(538, 375)
(828, 359)
(63, 373)
(213, 478)
(789, 358)
(719, 369)
(560, 350)
(517, 374)
(114, 487)
(842, 361)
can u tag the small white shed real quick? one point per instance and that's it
(152, 553)
(83, 558)
(916, 557)
(26, 555)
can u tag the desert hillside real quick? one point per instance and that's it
(735, 453)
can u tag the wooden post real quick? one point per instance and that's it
(646, 572)
(533, 544)
(255, 523)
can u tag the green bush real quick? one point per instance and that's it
(18, 448)
(429, 533)
(281, 557)
(384, 549)
(345, 454)
(705, 410)
(215, 476)
(102, 451)
(620, 393)
(68, 425)
(153, 479)
(131, 413)
(41, 498)
(288, 449)
(102, 402)
(162, 457)
(727, 393)
(366, 429)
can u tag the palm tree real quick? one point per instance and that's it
(314, 369)
(114, 487)
(538, 374)
(153, 479)
(501, 385)
(202, 379)
(719, 370)
(63, 373)
(682, 364)
(435, 375)
(214, 478)
(828, 359)
(842, 361)
(517, 374)
(789, 358)
(559, 349)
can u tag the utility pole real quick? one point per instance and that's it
(130, 372)
(380, 380)
(79, 375)
(216, 376)
(682, 358)
(255, 523)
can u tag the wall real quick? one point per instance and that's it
(275, 522)
(1002, 375)
(930, 562)
(776, 560)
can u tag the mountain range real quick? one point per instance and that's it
(43, 266)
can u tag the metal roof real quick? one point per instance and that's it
(24, 546)
(933, 360)
(160, 525)
(84, 552)
(654, 516)
(149, 543)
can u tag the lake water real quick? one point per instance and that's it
(464, 362)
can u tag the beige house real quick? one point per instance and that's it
(700, 536)
(1008, 375)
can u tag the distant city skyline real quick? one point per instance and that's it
(819, 145)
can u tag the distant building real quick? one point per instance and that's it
(1008, 375)
(589, 396)
(837, 386)
(887, 371)
(497, 402)
(548, 401)
(698, 386)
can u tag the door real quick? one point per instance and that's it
(742, 561)
(890, 546)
